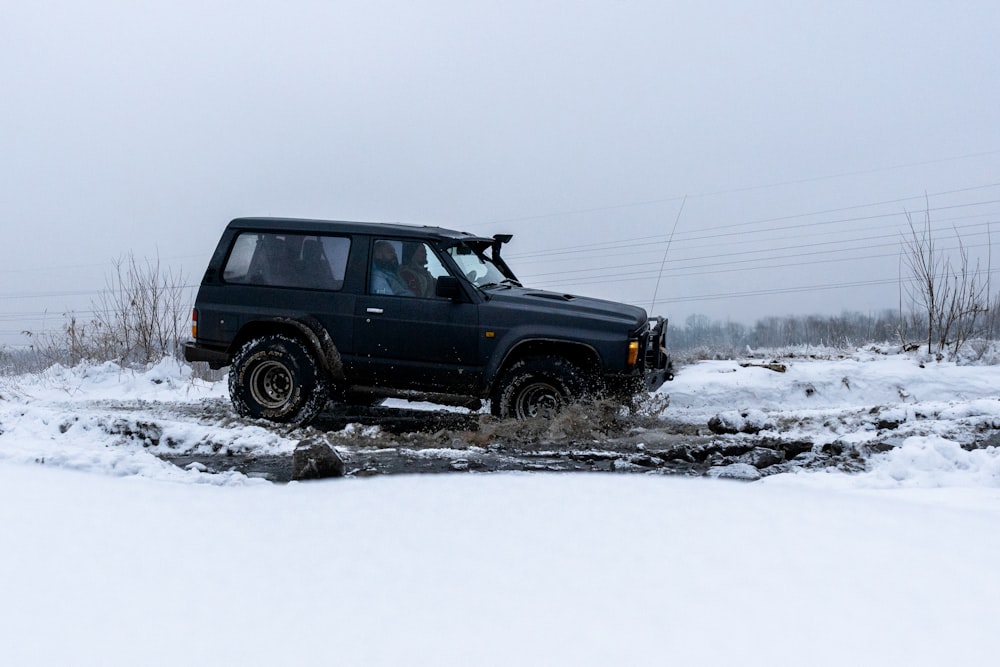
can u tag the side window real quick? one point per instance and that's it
(288, 260)
(238, 265)
(404, 268)
(336, 249)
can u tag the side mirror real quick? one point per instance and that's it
(448, 287)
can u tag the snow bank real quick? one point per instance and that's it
(488, 570)
(86, 418)
(941, 420)
(895, 565)
(859, 381)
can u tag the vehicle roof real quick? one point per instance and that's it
(346, 226)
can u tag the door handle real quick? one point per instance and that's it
(374, 311)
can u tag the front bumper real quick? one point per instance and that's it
(658, 366)
(654, 365)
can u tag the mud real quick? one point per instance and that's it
(589, 438)
(388, 441)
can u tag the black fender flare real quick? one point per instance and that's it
(544, 345)
(310, 330)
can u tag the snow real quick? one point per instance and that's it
(113, 557)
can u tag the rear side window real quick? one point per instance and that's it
(288, 260)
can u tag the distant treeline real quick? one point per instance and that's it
(847, 331)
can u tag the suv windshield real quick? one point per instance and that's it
(477, 267)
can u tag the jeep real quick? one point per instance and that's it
(304, 311)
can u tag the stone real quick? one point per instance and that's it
(762, 457)
(722, 425)
(316, 459)
(739, 471)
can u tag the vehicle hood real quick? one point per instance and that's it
(526, 300)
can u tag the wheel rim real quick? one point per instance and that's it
(271, 384)
(538, 399)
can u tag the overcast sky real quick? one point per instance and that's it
(735, 159)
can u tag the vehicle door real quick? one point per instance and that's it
(406, 337)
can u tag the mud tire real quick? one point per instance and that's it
(537, 387)
(276, 377)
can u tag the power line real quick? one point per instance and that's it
(716, 193)
(69, 293)
(712, 232)
(651, 248)
(92, 265)
(716, 258)
(665, 251)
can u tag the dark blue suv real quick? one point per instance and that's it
(304, 311)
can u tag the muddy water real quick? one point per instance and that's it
(382, 440)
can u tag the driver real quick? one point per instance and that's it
(414, 270)
(385, 265)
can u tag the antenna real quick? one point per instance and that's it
(663, 263)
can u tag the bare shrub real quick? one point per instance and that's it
(143, 310)
(138, 318)
(75, 341)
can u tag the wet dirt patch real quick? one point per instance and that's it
(391, 440)
(594, 438)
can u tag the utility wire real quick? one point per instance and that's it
(663, 262)
(795, 289)
(716, 193)
(713, 232)
(754, 255)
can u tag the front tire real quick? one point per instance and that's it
(276, 377)
(537, 387)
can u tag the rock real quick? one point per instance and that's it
(674, 453)
(747, 421)
(878, 447)
(316, 459)
(701, 452)
(723, 425)
(741, 471)
(642, 459)
(735, 448)
(835, 448)
(771, 366)
(992, 440)
(790, 448)
(762, 457)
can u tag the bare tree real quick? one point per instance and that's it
(928, 288)
(967, 304)
(951, 300)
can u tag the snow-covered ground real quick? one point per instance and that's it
(112, 557)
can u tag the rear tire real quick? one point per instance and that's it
(276, 377)
(537, 387)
